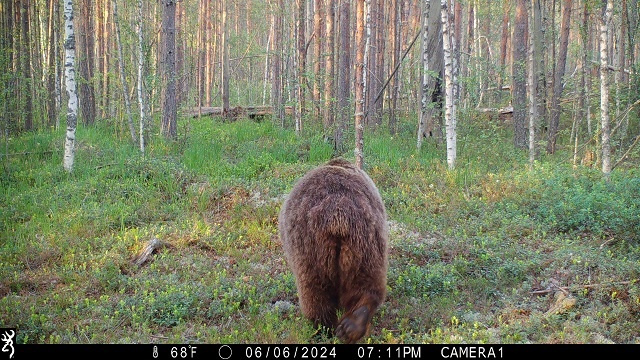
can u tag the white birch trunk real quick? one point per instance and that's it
(450, 86)
(359, 86)
(604, 88)
(425, 72)
(123, 79)
(70, 82)
(141, 101)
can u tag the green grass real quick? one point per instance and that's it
(468, 247)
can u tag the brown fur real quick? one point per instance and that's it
(334, 232)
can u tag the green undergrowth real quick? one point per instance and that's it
(492, 252)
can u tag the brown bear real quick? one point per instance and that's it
(334, 232)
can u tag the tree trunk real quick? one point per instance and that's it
(359, 85)
(329, 91)
(70, 81)
(302, 64)
(519, 71)
(394, 91)
(318, 66)
(554, 121)
(604, 86)
(224, 44)
(169, 105)
(424, 88)
(503, 45)
(86, 42)
(450, 106)
(141, 95)
(344, 75)
(276, 63)
(26, 65)
(534, 75)
(52, 108)
(123, 79)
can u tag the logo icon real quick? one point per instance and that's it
(7, 335)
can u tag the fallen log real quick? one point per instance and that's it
(150, 248)
(249, 111)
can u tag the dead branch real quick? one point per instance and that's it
(567, 289)
(145, 254)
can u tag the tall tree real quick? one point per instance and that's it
(344, 74)
(86, 61)
(123, 78)
(276, 62)
(142, 103)
(224, 43)
(520, 75)
(504, 39)
(25, 54)
(70, 82)
(605, 23)
(424, 88)
(302, 63)
(536, 72)
(554, 121)
(397, 43)
(450, 101)
(359, 85)
(169, 103)
(433, 71)
(52, 106)
(318, 48)
(329, 90)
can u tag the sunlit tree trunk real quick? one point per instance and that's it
(141, 92)
(329, 91)
(450, 106)
(224, 44)
(70, 82)
(359, 85)
(604, 85)
(318, 42)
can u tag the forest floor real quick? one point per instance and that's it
(492, 252)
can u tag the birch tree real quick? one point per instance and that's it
(424, 90)
(605, 23)
(141, 98)
(359, 85)
(450, 106)
(70, 82)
